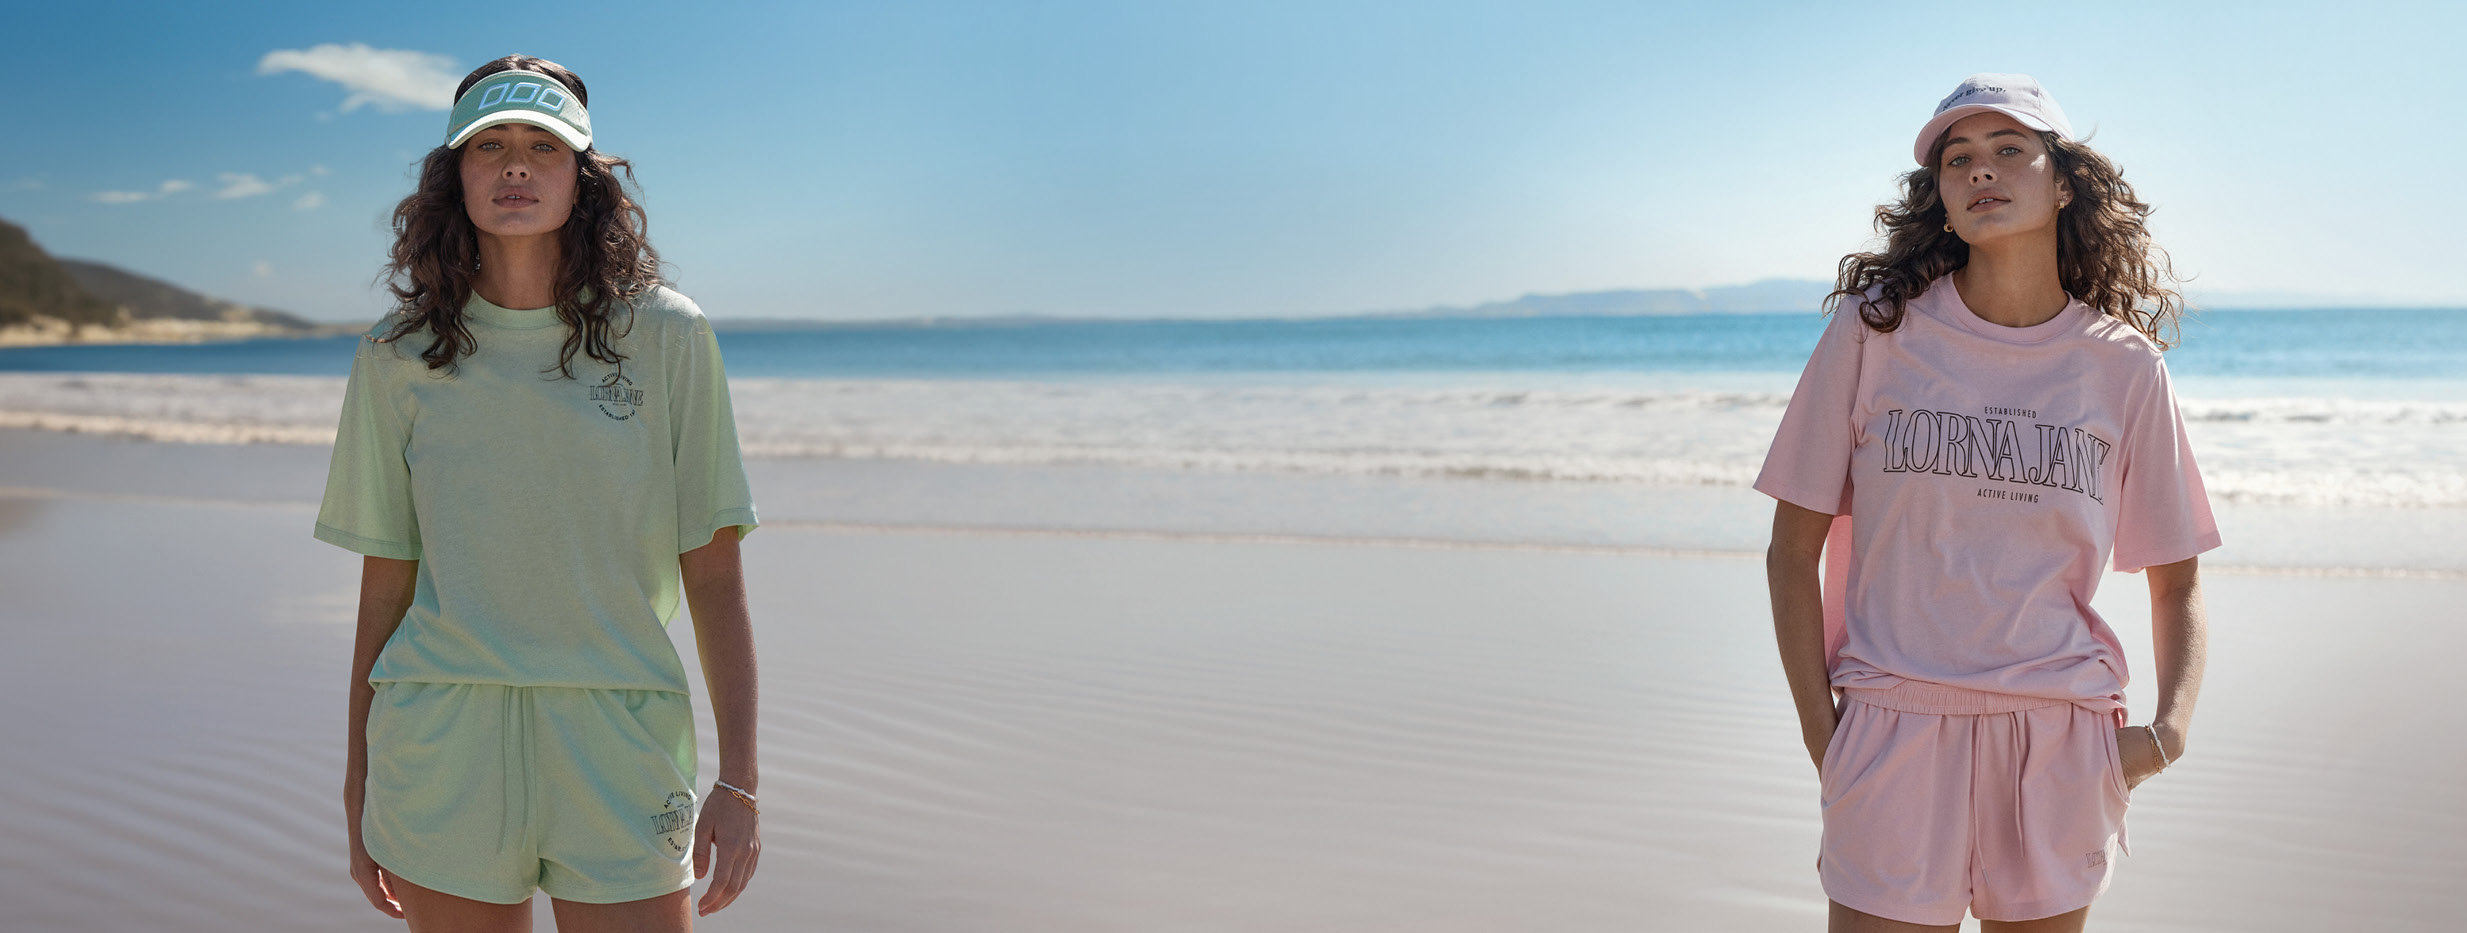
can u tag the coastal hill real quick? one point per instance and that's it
(34, 287)
(146, 298)
(1761, 296)
(1765, 296)
(46, 300)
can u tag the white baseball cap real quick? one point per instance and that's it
(516, 96)
(2016, 96)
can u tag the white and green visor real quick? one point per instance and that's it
(520, 97)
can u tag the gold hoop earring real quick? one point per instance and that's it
(1948, 226)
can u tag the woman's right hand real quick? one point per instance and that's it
(373, 881)
(1794, 573)
(385, 594)
(1819, 736)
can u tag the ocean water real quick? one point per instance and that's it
(2357, 347)
(2314, 409)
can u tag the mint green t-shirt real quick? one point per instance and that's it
(546, 513)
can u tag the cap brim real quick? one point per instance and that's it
(578, 140)
(1944, 121)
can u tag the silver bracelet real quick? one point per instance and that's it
(2161, 747)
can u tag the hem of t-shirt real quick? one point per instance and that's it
(1826, 504)
(2205, 544)
(393, 550)
(1872, 679)
(743, 519)
(375, 679)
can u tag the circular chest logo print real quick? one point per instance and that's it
(617, 397)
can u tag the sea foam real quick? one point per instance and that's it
(2295, 451)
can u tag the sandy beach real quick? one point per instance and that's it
(1034, 717)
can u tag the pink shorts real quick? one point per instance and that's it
(1939, 800)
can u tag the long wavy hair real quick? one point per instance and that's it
(605, 252)
(2104, 255)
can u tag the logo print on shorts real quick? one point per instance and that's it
(675, 824)
(617, 396)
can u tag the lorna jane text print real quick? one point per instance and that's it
(1950, 444)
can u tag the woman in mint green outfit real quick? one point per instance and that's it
(538, 460)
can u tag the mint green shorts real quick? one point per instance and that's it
(486, 792)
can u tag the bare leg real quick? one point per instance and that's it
(440, 912)
(1840, 919)
(667, 913)
(2060, 923)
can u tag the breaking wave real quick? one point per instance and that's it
(2296, 451)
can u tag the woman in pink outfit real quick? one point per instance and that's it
(1985, 428)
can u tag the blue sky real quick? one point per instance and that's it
(1238, 159)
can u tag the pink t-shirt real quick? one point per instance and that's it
(1993, 471)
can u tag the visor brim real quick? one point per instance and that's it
(1944, 121)
(576, 139)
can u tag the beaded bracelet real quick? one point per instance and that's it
(748, 799)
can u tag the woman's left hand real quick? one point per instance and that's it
(727, 842)
(2139, 758)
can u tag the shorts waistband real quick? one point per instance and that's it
(1917, 696)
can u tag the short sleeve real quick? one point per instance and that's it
(2163, 513)
(711, 489)
(368, 501)
(1809, 463)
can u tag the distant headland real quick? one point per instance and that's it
(46, 300)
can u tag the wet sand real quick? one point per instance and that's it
(1041, 728)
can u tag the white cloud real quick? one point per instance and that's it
(245, 185)
(237, 185)
(310, 201)
(393, 79)
(167, 188)
(263, 269)
(27, 184)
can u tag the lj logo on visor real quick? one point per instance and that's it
(533, 93)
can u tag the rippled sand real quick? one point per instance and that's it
(1047, 729)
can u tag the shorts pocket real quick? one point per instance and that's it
(661, 722)
(413, 729)
(1833, 748)
(2115, 759)
(1829, 770)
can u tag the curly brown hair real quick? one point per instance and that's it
(2104, 255)
(606, 255)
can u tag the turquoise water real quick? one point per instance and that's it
(2315, 409)
(2341, 346)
